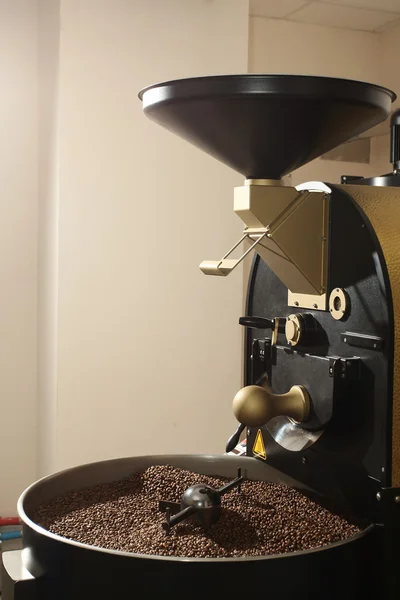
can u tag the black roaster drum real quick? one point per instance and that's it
(65, 569)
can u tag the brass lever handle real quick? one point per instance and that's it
(254, 405)
(226, 265)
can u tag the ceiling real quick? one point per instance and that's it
(364, 15)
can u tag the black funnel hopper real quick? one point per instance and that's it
(265, 126)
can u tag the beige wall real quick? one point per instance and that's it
(148, 347)
(277, 46)
(389, 52)
(288, 47)
(389, 75)
(48, 71)
(18, 260)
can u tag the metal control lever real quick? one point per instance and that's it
(234, 439)
(277, 325)
(225, 265)
(257, 322)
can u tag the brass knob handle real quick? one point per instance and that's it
(254, 405)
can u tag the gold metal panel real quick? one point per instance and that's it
(314, 301)
(259, 205)
(289, 228)
(297, 224)
(286, 270)
(302, 232)
(382, 207)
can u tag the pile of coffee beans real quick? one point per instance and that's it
(264, 518)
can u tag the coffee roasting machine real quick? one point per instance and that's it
(321, 403)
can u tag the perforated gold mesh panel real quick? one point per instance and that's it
(382, 207)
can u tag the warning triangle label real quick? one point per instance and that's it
(259, 447)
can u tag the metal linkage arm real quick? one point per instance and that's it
(226, 265)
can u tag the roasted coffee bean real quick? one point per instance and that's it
(265, 518)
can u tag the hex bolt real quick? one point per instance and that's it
(397, 499)
(303, 460)
(378, 496)
(315, 305)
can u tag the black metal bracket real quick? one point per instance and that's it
(262, 348)
(360, 340)
(389, 499)
(17, 582)
(390, 505)
(260, 358)
(350, 178)
(344, 368)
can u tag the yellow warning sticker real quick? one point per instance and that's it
(259, 448)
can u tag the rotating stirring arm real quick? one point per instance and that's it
(199, 499)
